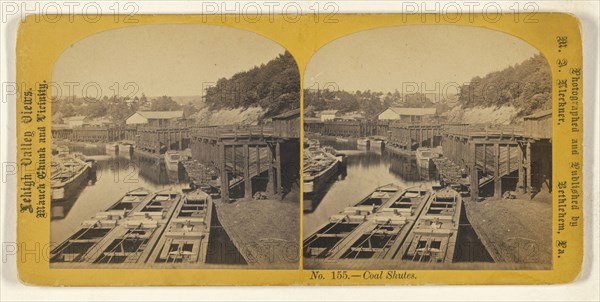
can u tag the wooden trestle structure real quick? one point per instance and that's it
(241, 154)
(509, 158)
(410, 136)
(502, 156)
(348, 128)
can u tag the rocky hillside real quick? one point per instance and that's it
(525, 87)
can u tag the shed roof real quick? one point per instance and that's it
(75, 118)
(156, 115)
(540, 114)
(288, 114)
(312, 120)
(413, 111)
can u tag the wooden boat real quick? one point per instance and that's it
(314, 143)
(375, 142)
(433, 238)
(320, 244)
(62, 150)
(341, 157)
(132, 241)
(362, 141)
(384, 232)
(112, 147)
(392, 148)
(375, 228)
(341, 139)
(93, 230)
(186, 237)
(172, 159)
(204, 176)
(69, 174)
(327, 239)
(425, 158)
(125, 147)
(319, 167)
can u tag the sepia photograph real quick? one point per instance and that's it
(427, 147)
(175, 146)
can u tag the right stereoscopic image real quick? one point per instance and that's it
(427, 147)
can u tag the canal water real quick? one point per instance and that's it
(368, 168)
(117, 173)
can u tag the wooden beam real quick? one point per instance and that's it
(521, 182)
(474, 175)
(278, 161)
(271, 186)
(234, 160)
(497, 176)
(180, 139)
(224, 177)
(485, 159)
(247, 180)
(528, 165)
(431, 139)
(258, 159)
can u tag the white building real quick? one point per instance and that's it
(74, 121)
(406, 114)
(327, 115)
(154, 118)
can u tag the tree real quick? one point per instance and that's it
(96, 109)
(143, 99)
(526, 86)
(68, 110)
(189, 109)
(417, 100)
(165, 103)
(119, 112)
(274, 86)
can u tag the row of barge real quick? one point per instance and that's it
(411, 225)
(167, 227)
(140, 228)
(321, 164)
(161, 229)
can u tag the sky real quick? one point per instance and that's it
(396, 57)
(172, 60)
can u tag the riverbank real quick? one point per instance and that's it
(264, 231)
(515, 230)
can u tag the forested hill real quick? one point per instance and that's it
(526, 86)
(274, 86)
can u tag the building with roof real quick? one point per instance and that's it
(99, 121)
(287, 124)
(351, 116)
(405, 114)
(74, 121)
(539, 125)
(154, 118)
(327, 115)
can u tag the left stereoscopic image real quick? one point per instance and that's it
(175, 146)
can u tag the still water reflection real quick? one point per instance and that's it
(366, 169)
(117, 173)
